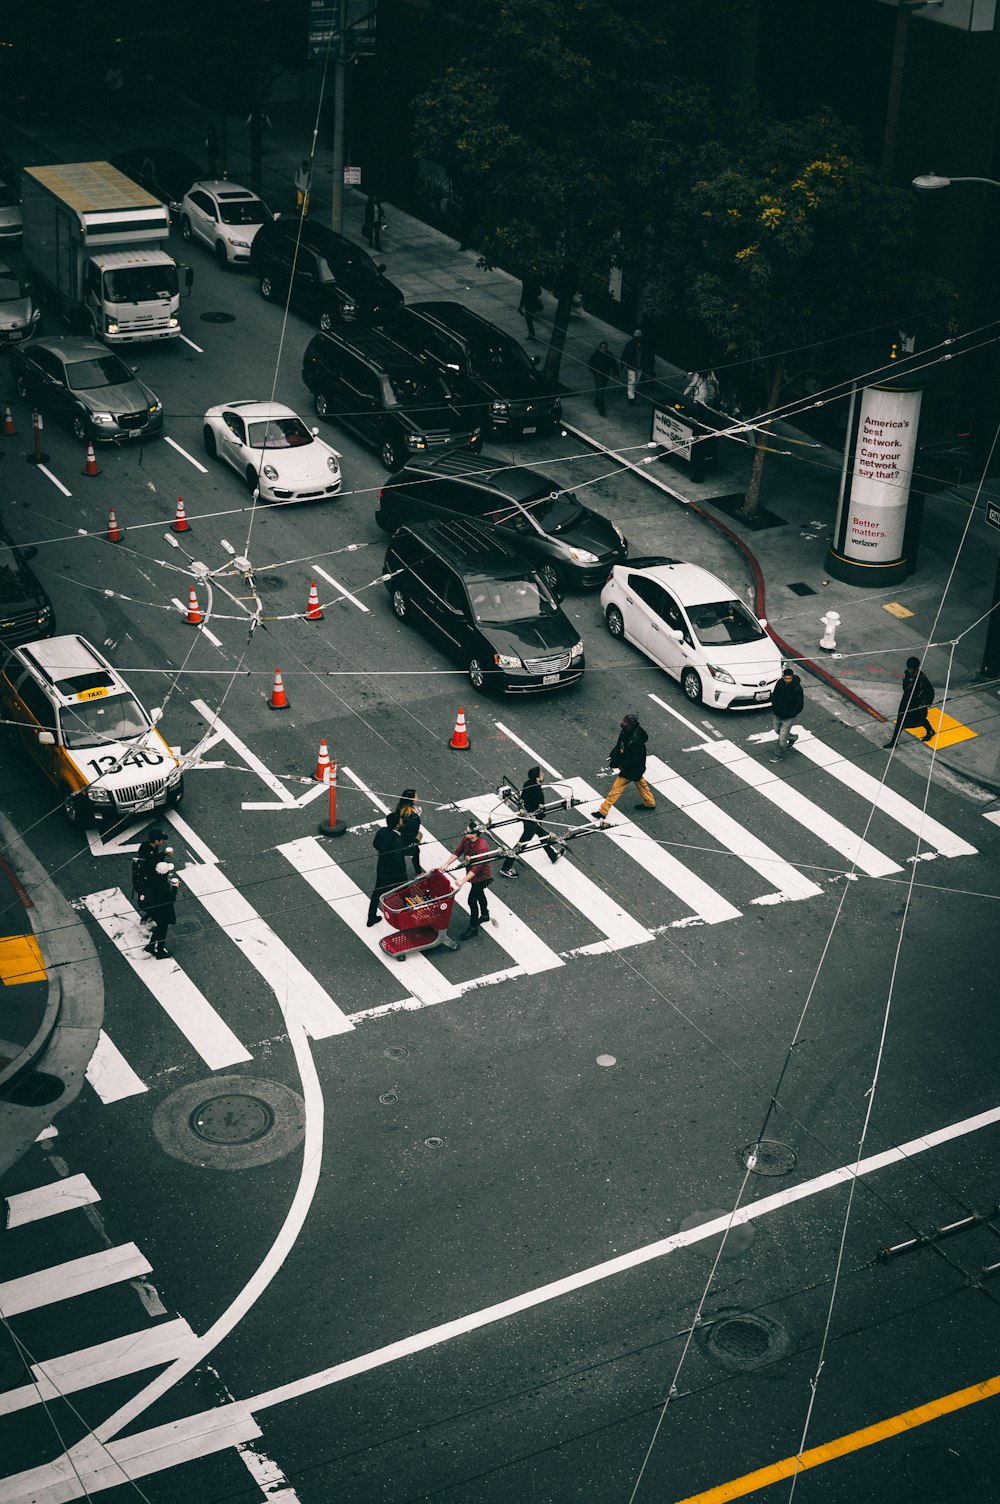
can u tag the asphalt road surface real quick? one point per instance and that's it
(329, 1227)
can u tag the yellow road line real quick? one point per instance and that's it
(739, 1488)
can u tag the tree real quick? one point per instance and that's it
(785, 239)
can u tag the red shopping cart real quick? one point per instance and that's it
(419, 912)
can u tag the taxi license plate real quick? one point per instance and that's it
(550, 678)
(762, 694)
(532, 429)
(140, 809)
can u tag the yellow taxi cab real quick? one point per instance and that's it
(75, 717)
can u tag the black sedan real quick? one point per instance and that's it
(25, 609)
(164, 172)
(83, 385)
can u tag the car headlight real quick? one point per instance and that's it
(111, 326)
(506, 660)
(173, 323)
(331, 464)
(416, 441)
(269, 472)
(583, 556)
(499, 409)
(99, 796)
(156, 406)
(238, 245)
(101, 418)
(43, 615)
(348, 310)
(576, 651)
(36, 314)
(621, 536)
(720, 674)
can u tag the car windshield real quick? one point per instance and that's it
(554, 511)
(279, 433)
(243, 212)
(140, 284)
(724, 624)
(509, 600)
(410, 388)
(344, 261)
(502, 355)
(102, 370)
(94, 723)
(10, 290)
(12, 582)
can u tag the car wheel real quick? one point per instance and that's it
(266, 288)
(253, 480)
(325, 323)
(185, 227)
(616, 622)
(221, 254)
(691, 685)
(322, 404)
(21, 387)
(400, 605)
(80, 429)
(177, 797)
(551, 577)
(389, 455)
(477, 675)
(208, 439)
(74, 809)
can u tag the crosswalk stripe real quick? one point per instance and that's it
(299, 995)
(910, 816)
(658, 862)
(94, 1271)
(788, 883)
(346, 899)
(110, 1074)
(795, 804)
(62, 1195)
(615, 923)
(115, 1359)
(176, 994)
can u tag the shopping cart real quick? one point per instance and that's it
(419, 912)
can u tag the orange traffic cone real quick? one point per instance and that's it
(313, 612)
(180, 523)
(115, 534)
(8, 423)
(194, 616)
(279, 700)
(460, 736)
(324, 761)
(91, 467)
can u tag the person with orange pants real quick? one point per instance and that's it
(628, 758)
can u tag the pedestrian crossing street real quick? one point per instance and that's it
(616, 889)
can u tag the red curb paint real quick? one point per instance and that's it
(14, 881)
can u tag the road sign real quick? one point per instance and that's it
(352, 175)
(993, 514)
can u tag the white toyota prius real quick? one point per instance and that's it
(273, 450)
(693, 626)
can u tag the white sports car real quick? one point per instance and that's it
(273, 450)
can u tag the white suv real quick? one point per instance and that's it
(225, 217)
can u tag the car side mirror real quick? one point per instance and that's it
(534, 360)
(762, 620)
(156, 715)
(676, 634)
(314, 432)
(380, 268)
(276, 215)
(134, 370)
(46, 739)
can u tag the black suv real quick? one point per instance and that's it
(565, 542)
(334, 281)
(381, 393)
(25, 610)
(480, 362)
(482, 603)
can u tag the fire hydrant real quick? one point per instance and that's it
(831, 621)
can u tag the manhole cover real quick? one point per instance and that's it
(232, 1119)
(396, 1052)
(769, 1157)
(743, 1340)
(218, 318)
(936, 1469)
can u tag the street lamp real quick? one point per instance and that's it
(928, 181)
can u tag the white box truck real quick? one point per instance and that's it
(94, 241)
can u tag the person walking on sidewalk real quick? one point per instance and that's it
(603, 368)
(531, 302)
(787, 701)
(632, 361)
(303, 183)
(531, 800)
(472, 849)
(628, 758)
(374, 222)
(409, 827)
(917, 696)
(390, 871)
(158, 901)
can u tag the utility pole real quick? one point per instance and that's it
(339, 86)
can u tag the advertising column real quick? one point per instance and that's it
(867, 547)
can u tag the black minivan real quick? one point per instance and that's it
(480, 362)
(564, 541)
(333, 281)
(482, 603)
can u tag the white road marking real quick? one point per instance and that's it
(268, 1476)
(191, 837)
(54, 479)
(677, 716)
(910, 816)
(790, 884)
(101, 1364)
(301, 999)
(200, 627)
(342, 588)
(192, 344)
(62, 1281)
(797, 807)
(48, 1200)
(263, 772)
(50, 1132)
(180, 999)
(183, 452)
(310, 859)
(617, 926)
(535, 757)
(992, 814)
(110, 1074)
(658, 862)
(119, 842)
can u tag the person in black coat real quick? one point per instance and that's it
(628, 758)
(917, 695)
(603, 368)
(409, 827)
(532, 799)
(144, 862)
(531, 302)
(374, 222)
(391, 869)
(787, 701)
(157, 900)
